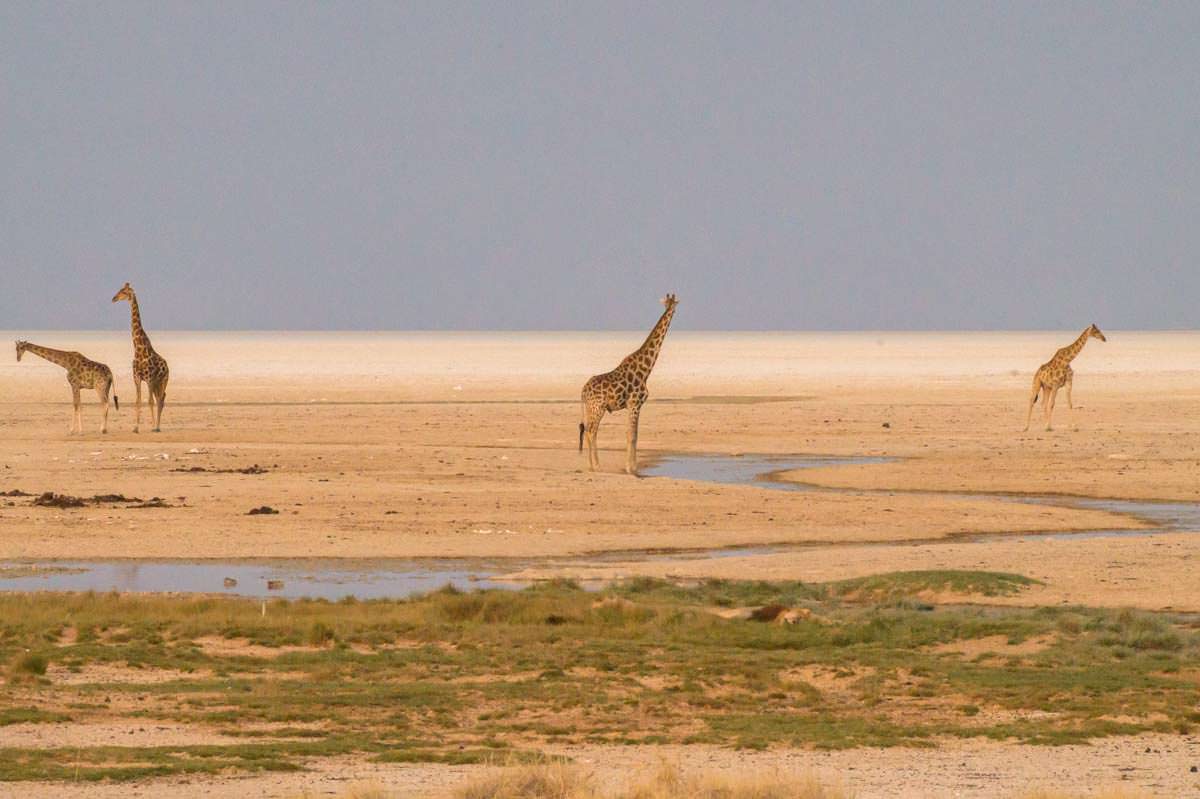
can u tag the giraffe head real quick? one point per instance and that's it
(126, 293)
(1094, 332)
(669, 301)
(21, 345)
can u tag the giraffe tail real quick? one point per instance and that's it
(581, 436)
(116, 402)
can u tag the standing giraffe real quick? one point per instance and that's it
(1057, 372)
(81, 373)
(623, 387)
(148, 366)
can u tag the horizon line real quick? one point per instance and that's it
(596, 330)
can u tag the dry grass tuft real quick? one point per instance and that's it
(541, 781)
(27, 666)
(670, 783)
(559, 781)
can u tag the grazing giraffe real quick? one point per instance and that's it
(81, 373)
(623, 387)
(148, 366)
(1057, 372)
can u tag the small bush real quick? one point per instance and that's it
(27, 666)
(320, 634)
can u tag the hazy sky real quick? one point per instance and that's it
(785, 165)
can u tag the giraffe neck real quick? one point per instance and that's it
(59, 357)
(140, 339)
(644, 357)
(1077, 345)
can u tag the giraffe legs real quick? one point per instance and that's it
(591, 427)
(104, 401)
(77, 415)
(1033, 395)
(1049, 405)
(1070, 380)
(158, 397)
(635, 411)
(137, 404)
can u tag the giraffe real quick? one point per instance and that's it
(1057, 372)
(148, 366)
(81, 373)
(623, 388)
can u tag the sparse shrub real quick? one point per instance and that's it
(320, 634)
(1142, 632)
(27, 666)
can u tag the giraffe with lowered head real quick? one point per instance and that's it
(148, 366)
(1057, 372)
(623, 388)
(81, 373)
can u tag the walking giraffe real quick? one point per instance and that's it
(623, 387)
(1057, 372)
(81, 373)
(148, 366)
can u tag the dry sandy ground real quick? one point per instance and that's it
(455, 444)
(1155, 765)
(401, 445)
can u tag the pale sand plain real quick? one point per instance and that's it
(455, 444)
(415, 445)
(1149, 765)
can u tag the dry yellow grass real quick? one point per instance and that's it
(562, 781)
(558, 780)
(543, 781)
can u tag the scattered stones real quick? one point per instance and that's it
(252, 469)
(230, 582)
(16, 492)
(274, 585)
(52, 500)
(262, 511)
(888, 425)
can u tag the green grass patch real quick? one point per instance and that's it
(30, 715)
(897, 585)
(460, 677)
